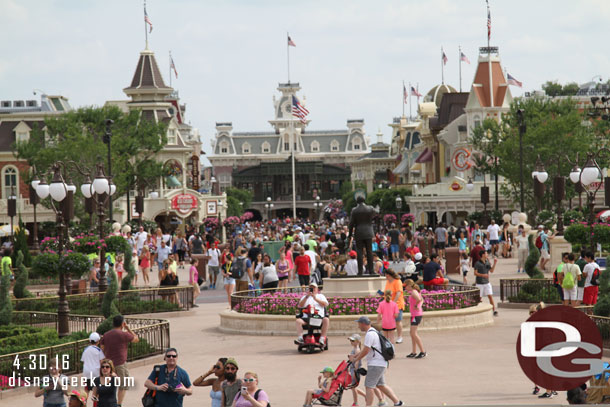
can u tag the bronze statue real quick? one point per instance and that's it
(361, 228)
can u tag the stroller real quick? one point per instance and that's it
(341, 381)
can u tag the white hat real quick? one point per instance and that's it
(418, 256)
(540, 227)
(94, 337)
(355, 337)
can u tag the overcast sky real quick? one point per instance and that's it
(351, 56)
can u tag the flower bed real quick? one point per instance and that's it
(280, 303)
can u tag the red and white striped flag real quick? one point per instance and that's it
(488, 21)
(464, 58)
(172, 65)
(290, 42)
(146, 19)
(414, 92)
(512, 81)
(445, 59)
(299, 110)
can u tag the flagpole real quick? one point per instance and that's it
(288, 54)
(410, 102)
(170, 68)
(442, 67)
(294, 189)
(145, 28)
(403, 98)
(491, 81)
(460, 57)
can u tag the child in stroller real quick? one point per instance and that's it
(331, 389)
(324, 385)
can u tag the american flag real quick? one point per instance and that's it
(445, 59)
(290, 42)
(299, 111)
(172, 65)
(464, 58)
(414, 92)
(488, 22)
(404, 93)
(512, 81)
(147, 20)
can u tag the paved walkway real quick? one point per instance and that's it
(463, 367)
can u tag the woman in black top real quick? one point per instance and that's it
(197, 245)
(105, 388)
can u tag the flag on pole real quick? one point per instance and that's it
(488, 21)
(404, 93)
(290, 42)
(415, 92)
(172, 65)
(299, 110)
(512, 81)
(146, 19)
(464, 58)
(445, 59)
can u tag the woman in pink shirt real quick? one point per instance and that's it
(416, 302)
(387, 311)
(193, 277)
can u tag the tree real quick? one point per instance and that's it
(553, 88)
(554, 129)
(238, 200)
(386, 199)
(347, 194)
(78, 136)
(6, 306)
(21, 246)
(21, 282)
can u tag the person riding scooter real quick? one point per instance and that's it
(319, 303)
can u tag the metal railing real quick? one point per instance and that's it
(153, 333)
(285, 301)
(603, 324)
(528, 290)
(139, 301)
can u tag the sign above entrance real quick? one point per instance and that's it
(461, 159)
(184, 203)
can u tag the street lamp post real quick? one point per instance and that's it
(399, 207)
(61, 193)
(540, 176)
(269, 207)
(219, 207)
(318, 207)
(522, 129)
(34, 202)
(107, 139)
(12, 211)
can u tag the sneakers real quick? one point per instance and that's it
(495, 313)
(322, 340)
(400, 403)
(399, 340)
(536, 390)
(354, 404)
(420, 356)
(300, 340)
(546, 395)
(195, 306)
(382, 403)
(411, 355)
(554, 393)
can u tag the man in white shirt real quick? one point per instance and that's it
(163, 253)
(591, 291)
(91, 358)
(313, 256)
(319, 303)
(213, 265)
(493, 234)
(375, 363)
(141, 237)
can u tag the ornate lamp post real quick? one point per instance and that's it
(559, 186)
(318, 206)
(269, 207)
(107, 139)
(219, 207)
(34, 202)
(399, 207)
(62, 203)
(12, 211)
(469, 185)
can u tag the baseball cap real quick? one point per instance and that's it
(364, 320)
(328, 369)
(94, 337)
(353, 254)
(540, 227)
(79, 397)
(418, 256)
(355, 337)
(313, 284)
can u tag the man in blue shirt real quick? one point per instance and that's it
(170, 382)
(163, 253)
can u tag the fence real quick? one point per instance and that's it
(528, 290)
(154, 338)
(147, 300)
(285, 302)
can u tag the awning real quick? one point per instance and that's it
(402, 167)
(416, 167)
(425, 157)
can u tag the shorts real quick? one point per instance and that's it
(303, 280)
(416, 320)
(374, 377)
(282, 278)
(485, 289)
(544, 253)
(399, 316)
(123, 373)
(388, 329)
(228, 281)
(590, 295)
(570, 294)
(440, 245)
(579, 293)
(435, 281)
(465, 272)
(494, 242)
(394, 248)
(214, 270)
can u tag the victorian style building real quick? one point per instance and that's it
(261, 161)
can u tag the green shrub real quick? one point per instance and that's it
(75, 264)
(105, 326)
(21, 282)
(534, 291)
(21, 245)
(6, 305)
(45, 264)
(117, 244)
(130, 271)
(27, 338)
(109, 302)
(531, 262)
(577, 233)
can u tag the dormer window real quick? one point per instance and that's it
(334, 146)
(245, 148)
(22, 132)
(357, 144)
(266, 148)
(224, 147)
(172, 136)
(315, 146)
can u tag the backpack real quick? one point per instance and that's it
(595, 277)
(539, 242)
(555, 278)
(568, 278)
(387, 349)
(237, 269)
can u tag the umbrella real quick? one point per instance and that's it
(5, 230)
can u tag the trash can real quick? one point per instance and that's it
(453, 260)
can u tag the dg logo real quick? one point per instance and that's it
(559, 348)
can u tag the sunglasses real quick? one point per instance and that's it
(105, 367)
(230, 369)
(248, 380)
(217, 367)
(171, 356)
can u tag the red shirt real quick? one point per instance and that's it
(475, 254)
(302, 263)
(115, 344)
(413, 250)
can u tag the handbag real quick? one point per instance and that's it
(148, 400)
(200, 281)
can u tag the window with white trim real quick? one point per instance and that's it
(477, 121)
(172, 136)
(245, 148)
(357, 144)
(315, 146)
(266, 148)
(10, 177)
(334, 145)
(224, 147)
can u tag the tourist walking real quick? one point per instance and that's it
(232, 385)
(591, 290)
(569, 276)
(213, 266)
(114, 344)
(218, 370)
(493, 235)
(245, 265)
(170, 382)
(282, 267)
(268, 277)
(394, 285)
(356, 348)
(376, 364)
(387, 314)
(441, 238)
(228, 280)
(54, 394)
(105, 386)
(416, 302)
(91, 357)
(94, 276)
(482, 270)
(303, 267)
(194, 280)
(145, 260)
(250, 395)
(522, 249)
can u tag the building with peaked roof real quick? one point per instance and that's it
(260, 161)
(178, 196)
(374, 168)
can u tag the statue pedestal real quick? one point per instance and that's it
(353, 286)
(558, 245)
